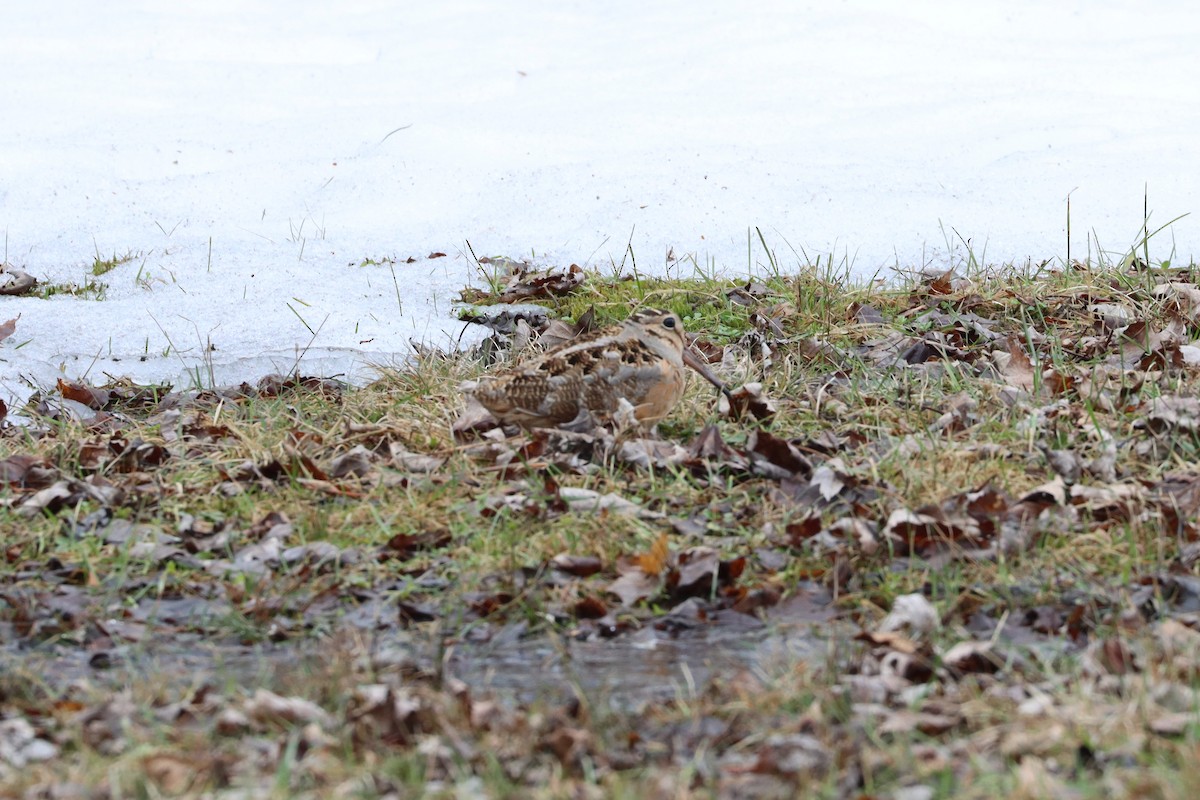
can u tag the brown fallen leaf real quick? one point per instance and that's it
(700, 570)
(590, 607)
(80, 393)
(776, 458)
(267, 709)
(1016, 369)
(15, 282)
(747, 400)
(640, 576)
(634, 586)
(174, 774)
(654, 561)
(579, 566)
(8, 328)
(26, 471)
(972, 657)
(929, 724)
(404, 545)
(1053, 492)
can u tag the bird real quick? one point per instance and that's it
(636, 365)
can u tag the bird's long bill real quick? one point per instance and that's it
(695, 363)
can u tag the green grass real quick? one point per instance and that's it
(102, 266)
(209, 480)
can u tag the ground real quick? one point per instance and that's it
(941, 543)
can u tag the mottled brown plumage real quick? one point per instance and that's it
(640, 361)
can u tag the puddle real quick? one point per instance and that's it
(651, 664)
(658, 662)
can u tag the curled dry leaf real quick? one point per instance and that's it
(795, 756)
(1171, 413)
(91, 397)
(651, 453)
(590, 608)
(912, 612)
(584, 500)
(959, 415)
(474, 419)
(865, 314)
(1052, 493)
(1110, 656)
(528, 284)
(748, 294)
(559, 332)
(928, 723)
(1014, 365)
(15, 282)
(579, 566)
(699, 570)
(776, 458)
(404, 545)
(972, 657)
(355, 462)
(633, 586)
(855, 529)
(49, 500)
(747, 399)
(640, 576)
(8, 328)
(26, 471)
(709, 450)
(174, 774)
(656, 559)
(265, 708)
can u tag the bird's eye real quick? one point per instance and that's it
(669, 322)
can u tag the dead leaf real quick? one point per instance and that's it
(633, 586)
(972, 657)
(88, 396)
(528, 284)
(26, 471)
(709, 451)
(590, 607)
(1016, 369)
(912, 612)
(1170, 413)
(929, 724)
(15, 282)
(267, 709)
(747, 399)
(174, 774)
(404, 545)
(651, 453)
(355, 462)
(579, 566)
(582, 500)
(695, 571)
(776, 458)
(654, 561)
(1054, 493)
(865, 314)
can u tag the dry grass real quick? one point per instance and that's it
(168, 561)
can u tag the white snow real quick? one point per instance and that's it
(247, 153)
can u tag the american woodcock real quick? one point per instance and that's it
(640, 361)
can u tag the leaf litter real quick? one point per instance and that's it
(955, 520)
